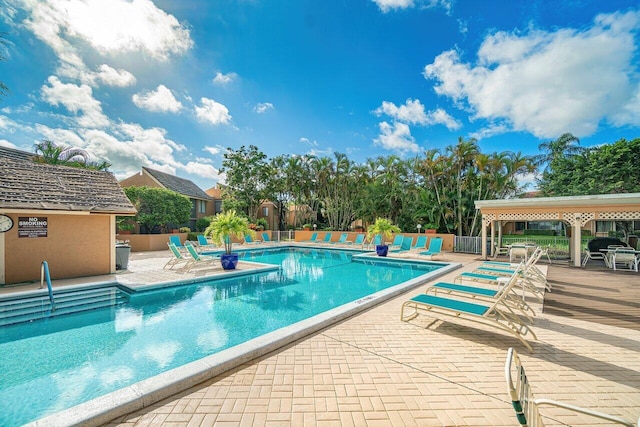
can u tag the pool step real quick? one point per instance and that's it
(66, 302)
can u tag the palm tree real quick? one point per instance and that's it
(54, 154)
(566, 145)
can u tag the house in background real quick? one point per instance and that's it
(201, 203)
(60, 214)
(268, 210)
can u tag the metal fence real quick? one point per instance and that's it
(283, 236)
(558, 246)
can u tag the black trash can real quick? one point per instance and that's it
(122, 256)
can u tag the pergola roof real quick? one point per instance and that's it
(567, 201)
(574, 210)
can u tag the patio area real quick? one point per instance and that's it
(375, 370)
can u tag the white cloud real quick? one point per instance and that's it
(223, 79)
(396, 137)
(5, 143)
(491, 130)
(388, 5)
(215, 150)
(153, 142)
(548, 83)
(161, 100)
(412, 112)
(212, 112)
(309, 142)
(78, 100)
(108, 27)
(203, 170)
(262, 107)
(6, 123)
(112, 77)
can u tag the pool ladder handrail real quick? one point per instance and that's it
(44, 274)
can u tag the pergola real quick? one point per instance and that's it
(576, 211)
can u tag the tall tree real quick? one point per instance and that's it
(248, 179)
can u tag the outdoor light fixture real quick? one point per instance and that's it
(419, 227)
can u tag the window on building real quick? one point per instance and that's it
(520, 225)
(203, 206)
(265, 211)
(217, 207)
(604, 226)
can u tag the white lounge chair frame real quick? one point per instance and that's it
(526, 406)
(497, 314)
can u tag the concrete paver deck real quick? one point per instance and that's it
(375, 370)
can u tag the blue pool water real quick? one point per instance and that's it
(60, 362)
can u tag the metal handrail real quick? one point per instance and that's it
(44, 274)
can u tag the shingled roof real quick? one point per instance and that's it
(28, 185)
(12, 153)
(179, 185)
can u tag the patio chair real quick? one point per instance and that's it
(377, 240)
(313, 238)
(495, 313)
(626, 257)
(359, 240)
(518, 251)
(198, 259)
(588, 255)
(435, 248)
(397, 242)
(421, 243)
(512, 301)
(327, 238)
(342, 240)
(176, 258)
(203, 243)
(526, 406)
(266, 238)
(175, 240)
(405, 246)
(248, 240)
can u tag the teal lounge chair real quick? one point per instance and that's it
(405, 246)
(397, 242)
(435, 248)
(203, 243)
(266, 238)
(313, 238)
(377, 240)
(327, 238)
(175, 240)
(248, 240)
(198, 259)
(421, 243)
(496, 312)
(359, 240)
(177, 257)
(342, 240)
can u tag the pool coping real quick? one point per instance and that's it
(106, 408)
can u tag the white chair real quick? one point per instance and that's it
(518, 251)
(626, 257)
(588, 255)
(526, 405)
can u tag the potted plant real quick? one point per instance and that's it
(306, 227)
(385, 229)
(223, 228)
(430, 227)
(125, 226)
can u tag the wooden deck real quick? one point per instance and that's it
(595, 294)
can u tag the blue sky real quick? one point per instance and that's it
(170, 84)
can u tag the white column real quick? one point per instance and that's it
(575, 243)
(493, 238)
(484, 239)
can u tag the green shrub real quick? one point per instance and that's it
(262, 222)
(192, 236)
(184, 230)
(203, 223)
(586, 232)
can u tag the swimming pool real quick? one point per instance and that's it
(58, 362)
